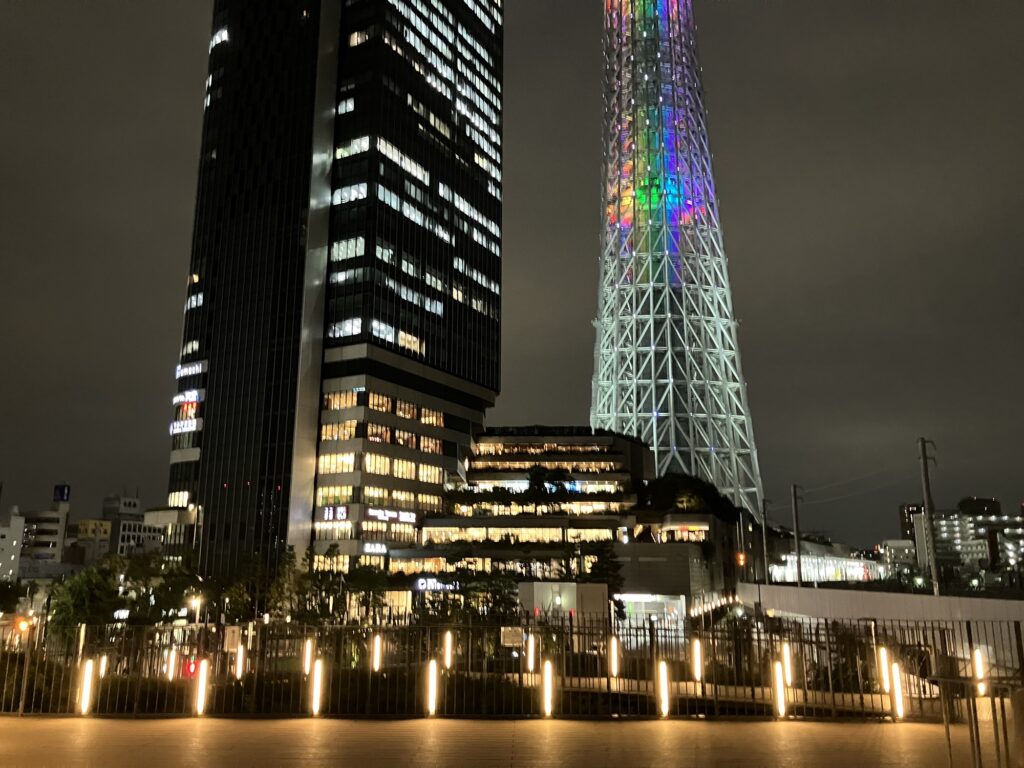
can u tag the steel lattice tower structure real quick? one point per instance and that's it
(667, 361)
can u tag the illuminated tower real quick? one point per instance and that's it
(666, 361)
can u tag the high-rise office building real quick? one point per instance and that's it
(341, 329)
(667, 361)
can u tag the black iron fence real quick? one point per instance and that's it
(937, 671)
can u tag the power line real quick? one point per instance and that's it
(894, 481)
(849, 480)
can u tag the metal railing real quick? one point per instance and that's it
(564, 666)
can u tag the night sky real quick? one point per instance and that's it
(869, 160)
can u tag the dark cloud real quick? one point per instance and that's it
(868, 160)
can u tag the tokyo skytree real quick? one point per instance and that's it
(666, 359)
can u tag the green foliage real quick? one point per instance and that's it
(369, 584)
(606, 569)
(88, 597)
(678, 491)
(283, 599)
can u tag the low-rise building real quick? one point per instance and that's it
(898, 553)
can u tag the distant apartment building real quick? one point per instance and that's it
(12, 534)
(45, 533)
(907, 513)
(898, 554)
(91, 540)
(977, 535)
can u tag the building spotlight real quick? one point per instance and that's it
(316, 687)
(897, 692)
(201, 678)
(780, 690)
(663, 700)
(85, 694)
(378, 652)
(549, 684)
(432, 688)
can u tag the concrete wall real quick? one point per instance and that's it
(853, 604)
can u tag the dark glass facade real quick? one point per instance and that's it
(341, 333)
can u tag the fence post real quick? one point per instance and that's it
(828, 665)
(26, 669)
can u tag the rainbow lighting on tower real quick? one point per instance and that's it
(666, 360)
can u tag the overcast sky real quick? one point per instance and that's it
(869, 160)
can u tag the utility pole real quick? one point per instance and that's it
(796, 534)
(929, 513)
(764, 537)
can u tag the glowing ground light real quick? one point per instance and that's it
(883, 664)
(448, 644)
(201, 678)
(787, 661)
(549, 684)
(307, 657)
(239, 662)
(663, 688)
(897, 692)
(780, 690)
(378, 650)
(316, 689)
(530, 647)
(85, 698)
(979, 671)
(103, 666)
(432, 688)
(698, 663)
(613, 656)
(172, 661)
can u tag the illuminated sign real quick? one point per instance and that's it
(391, 514)
(190, 369)
(374, 548)
(430, 584)
(186, 425)
(188, 396)
(335, 513)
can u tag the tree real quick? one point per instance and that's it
(369, 584)
(236, 603)
(283, 599)
(89, 597)
(606, 569)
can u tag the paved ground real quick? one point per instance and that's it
(37, 742)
